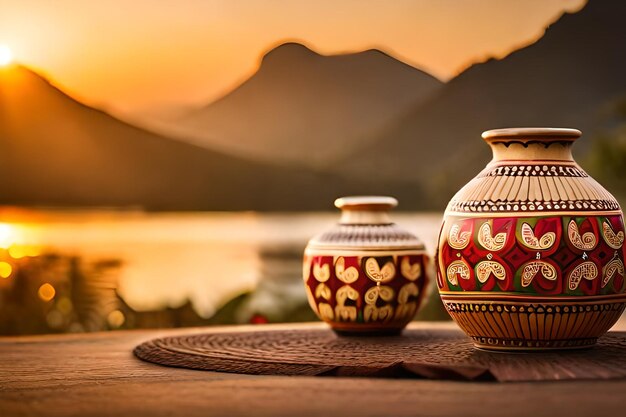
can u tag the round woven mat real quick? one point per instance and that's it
(436, 354)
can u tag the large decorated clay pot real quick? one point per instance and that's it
(366, 275)
(531, 252)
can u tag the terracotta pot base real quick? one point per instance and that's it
(528, 325)
(521, 346)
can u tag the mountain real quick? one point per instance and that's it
(55, 151)
(565, 79)
(304, 108)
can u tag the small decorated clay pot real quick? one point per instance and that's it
(531, 252)
(366, 275)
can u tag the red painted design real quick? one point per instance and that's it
(517, 255)
(364, 283)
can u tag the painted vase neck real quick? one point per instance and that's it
(532, 172)
(364, 217)
(372, 210)
(531, 144)
(365, 224)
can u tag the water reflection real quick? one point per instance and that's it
(89, 271)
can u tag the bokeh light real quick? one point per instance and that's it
(55, 319)
(116, 318)
(5, 269)
(31, 250)
(6, 56)
(46, 292)
(6, 235)
(21, 251)
(17, 252)
(64, 305)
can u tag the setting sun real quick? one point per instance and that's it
(6, 56)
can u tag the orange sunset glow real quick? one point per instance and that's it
(150, 147)
(312, 207)
(143, 57)
(6, 56)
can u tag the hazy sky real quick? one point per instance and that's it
(136, 55)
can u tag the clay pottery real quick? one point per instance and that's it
(366, 275)
(531, 252)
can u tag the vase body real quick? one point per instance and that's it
(366, 275)
(531, 251)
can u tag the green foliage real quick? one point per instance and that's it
(606, 160)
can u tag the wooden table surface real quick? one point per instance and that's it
(96, 374)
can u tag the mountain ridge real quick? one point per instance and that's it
(57, 151)
(304, 108)
(561, 80)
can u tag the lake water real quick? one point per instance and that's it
(164, 260)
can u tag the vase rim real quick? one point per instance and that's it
(542, 134)
(366, 202)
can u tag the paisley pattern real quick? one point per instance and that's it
(531, 241)
(325, 311)
(342, 311)
(587, 270)
(407, 308)
(378, 274)
(484, 269)
(365, 289)
(457, 269)
(458, 239)
(615, 266)
(489, 242)
(586, 242)
(409, 270)
(530, 270)
(546, 256)
(347, 275)
(323, 291)
(614, 240)
(321, 273)
(372, 312)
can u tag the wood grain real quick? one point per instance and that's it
(97, 375)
